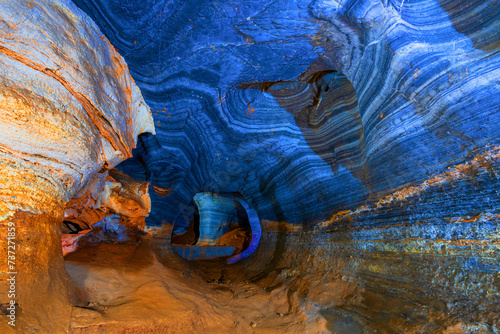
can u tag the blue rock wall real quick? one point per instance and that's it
(368, 129)
(422, 260)
(216, 213)
(425, 74)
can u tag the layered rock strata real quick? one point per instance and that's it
(385, 183)
(69, 109)
(306, 108)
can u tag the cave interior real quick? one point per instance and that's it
(207, 166)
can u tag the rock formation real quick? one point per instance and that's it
(69, 110)
(364, 134)
(216, 213)
(111, 192)
(224, 225)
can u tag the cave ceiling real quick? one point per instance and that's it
(305, 108)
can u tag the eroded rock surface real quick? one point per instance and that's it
(306, 108)
(364, 131)
(69, 109)
(111, 192)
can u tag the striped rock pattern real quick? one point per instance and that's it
(69, 106)
(368, 129)
(234, 91)
(216, 213)
(68, 110)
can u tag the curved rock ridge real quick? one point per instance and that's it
(68, 103)
(255, 226)
(424, 72)
(326, 111)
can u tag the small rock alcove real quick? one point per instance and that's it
(216, 226)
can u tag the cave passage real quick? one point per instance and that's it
(200, 166)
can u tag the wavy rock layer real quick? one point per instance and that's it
(424, 259)
(424, 82)
(68, 108)
(238, 104)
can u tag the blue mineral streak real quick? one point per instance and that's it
(237, 90)
(426, 84)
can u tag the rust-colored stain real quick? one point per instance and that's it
(250, 109)
(340, 214)
(472, 219)
(162, 191)
(461, 171)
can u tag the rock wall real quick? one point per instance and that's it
(69, 109)
(421, 79)
(111, 192)
(421, 260)
(365, 132)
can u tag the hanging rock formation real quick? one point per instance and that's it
(69, 110)
(111, 192)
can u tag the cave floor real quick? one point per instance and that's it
(126, 288)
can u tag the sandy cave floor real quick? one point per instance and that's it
(147, 288)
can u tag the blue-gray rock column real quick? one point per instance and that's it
(216, 212)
